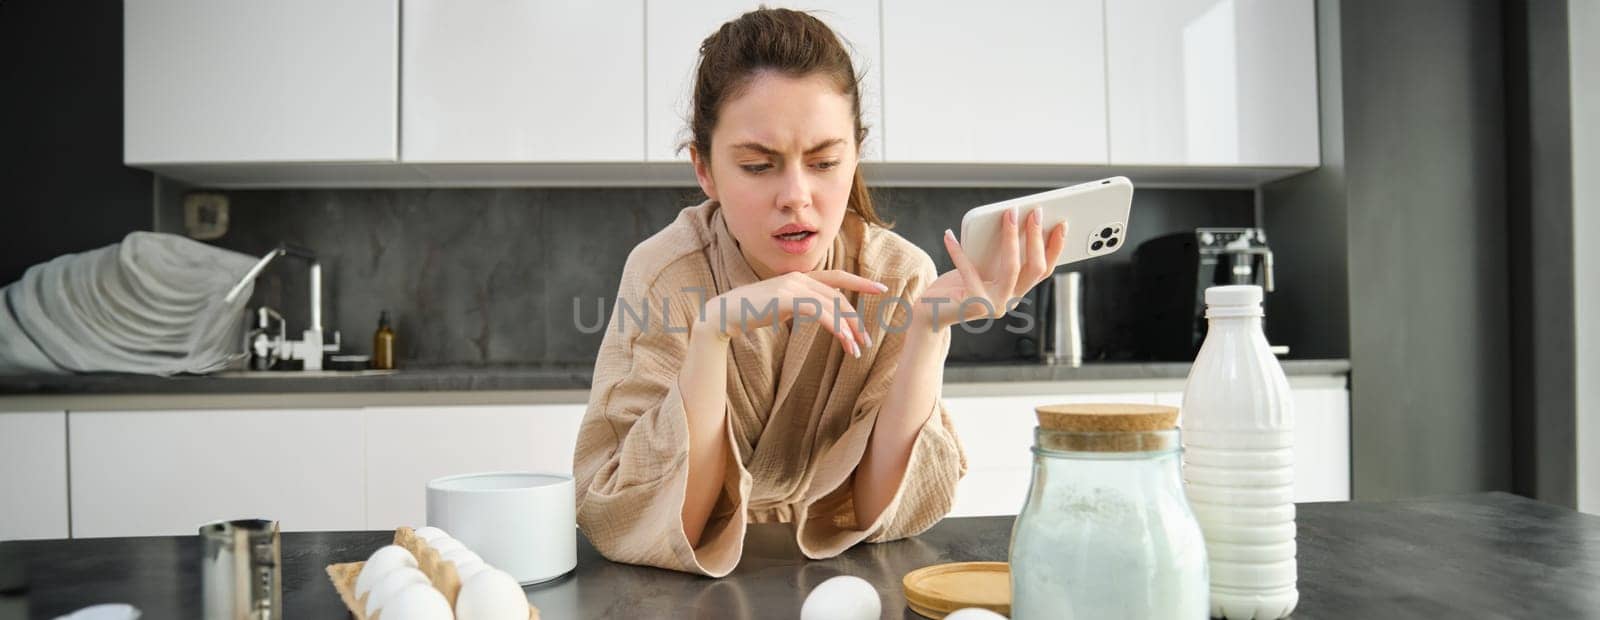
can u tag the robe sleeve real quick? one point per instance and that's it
(631, 465)
(826, 521)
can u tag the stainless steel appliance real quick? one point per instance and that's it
(240, 570)
(1066, 319)
(266, 346)
(1172, 273)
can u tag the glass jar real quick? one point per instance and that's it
(1106, 531)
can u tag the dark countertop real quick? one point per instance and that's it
(565, 377)
(1485, 555)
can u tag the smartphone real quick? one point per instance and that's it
(1096, 214)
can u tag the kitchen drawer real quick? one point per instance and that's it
(997, 434)
(33, 489)
(1321, 441)
(408, 446)
(997, 431)
(992, 492)
(151, 473)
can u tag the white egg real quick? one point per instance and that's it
(842, 598)
(460, 556)
(974, 613)
(417, 602)
(445, 545)
(429, 533)
(491, 594)
(465, 570)
(380, 563)
(397, 580)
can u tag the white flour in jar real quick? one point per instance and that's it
(1096, 553)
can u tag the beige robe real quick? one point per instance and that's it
(800, 410)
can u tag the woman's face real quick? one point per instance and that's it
(783, 155)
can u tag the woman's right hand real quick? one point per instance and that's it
(815, 294)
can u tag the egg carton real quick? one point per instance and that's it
(439, 571)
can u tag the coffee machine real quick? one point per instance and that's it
(1172, 273)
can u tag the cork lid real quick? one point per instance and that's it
(1107, 418)
(936, 591)
(1107, 427)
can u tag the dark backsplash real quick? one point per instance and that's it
(488, 276)
(66, 188)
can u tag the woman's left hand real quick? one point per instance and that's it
(971, 292)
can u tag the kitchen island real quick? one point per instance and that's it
(1473, 556)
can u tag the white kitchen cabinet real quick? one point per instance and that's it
(408, 446)
(33, 486)
(974, 83)
(1322, 445)
(675, 29)
(235, 81)
(1189, 93)
(146, 473)
(997, 434)
(516, 81)
(1211, 82)
(1321, 441)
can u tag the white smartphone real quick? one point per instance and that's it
(1096, 214)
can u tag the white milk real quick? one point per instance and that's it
(1238, 460)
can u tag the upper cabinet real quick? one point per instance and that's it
(1212, 82)
(225, 81)
(674, 30)
(977, 83)
(366, 93)
(518, 81)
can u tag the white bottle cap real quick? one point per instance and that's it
(1234, 295)
(1233, 301)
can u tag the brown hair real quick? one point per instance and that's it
(792, 43)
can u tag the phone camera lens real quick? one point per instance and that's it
(1111, 243)
(1106, 232)
(1096, 246)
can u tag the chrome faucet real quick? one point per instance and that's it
(262, 344)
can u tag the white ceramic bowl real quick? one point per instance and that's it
(520, 522)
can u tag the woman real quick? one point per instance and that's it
(727, 407)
